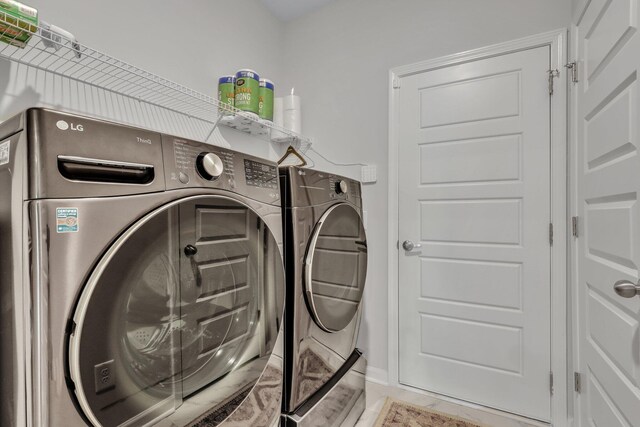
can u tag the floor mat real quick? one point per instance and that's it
(397, 413)
(255, 406)
(333, 408)
(312, 374)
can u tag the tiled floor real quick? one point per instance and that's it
(376, 395)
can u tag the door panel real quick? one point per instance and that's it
(608, 185)
(495, 96)
(125, 351)
(336, 268)
(495, 158)
(158, 327)
(220, 289)
(474, 193)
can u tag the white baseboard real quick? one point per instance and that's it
(377, 375)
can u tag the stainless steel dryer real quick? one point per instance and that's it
(326, 267)
(141, 278)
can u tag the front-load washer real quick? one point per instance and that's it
(326, 267)
(141, 278)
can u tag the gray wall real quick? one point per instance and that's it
(578, 7)
(339, 57)
(190, 42)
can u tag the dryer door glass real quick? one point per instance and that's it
(180, 318)
(336, 268)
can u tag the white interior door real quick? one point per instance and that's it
(608, 169)
(474, 192)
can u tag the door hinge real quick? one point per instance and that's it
(577, 382)
(574, 226)
(573, 66)
(396, 83)
(551, 382)
(551, 234)
(552, 75)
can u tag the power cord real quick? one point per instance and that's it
(333, 163)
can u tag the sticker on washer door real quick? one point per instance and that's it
(67, 220)
(4, 152)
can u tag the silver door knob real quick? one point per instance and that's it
(408, 245)
(626, 289)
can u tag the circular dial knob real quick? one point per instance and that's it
(341, 187)
(209, 166)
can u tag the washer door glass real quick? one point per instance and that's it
(336, 268)
(184, 307)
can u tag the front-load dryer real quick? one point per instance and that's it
(326, 267)
(141, 278)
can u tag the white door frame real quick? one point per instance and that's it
(573, 248)
(557, 42)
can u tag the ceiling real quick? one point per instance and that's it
(287, 10)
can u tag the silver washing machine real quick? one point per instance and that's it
(141, 278)
(326, 268)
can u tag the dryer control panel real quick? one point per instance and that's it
(311, 187)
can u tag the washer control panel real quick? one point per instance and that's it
(191, 164)
(259, 174)
(191, 160)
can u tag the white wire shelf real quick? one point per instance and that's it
(248, 123)
(63, 56)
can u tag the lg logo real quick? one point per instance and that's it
(62, 125)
